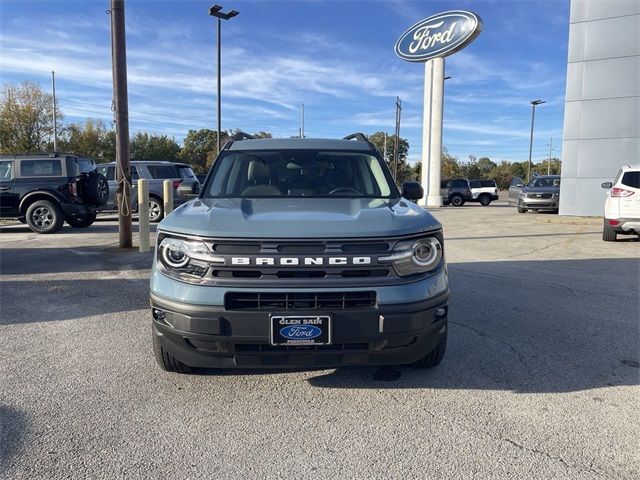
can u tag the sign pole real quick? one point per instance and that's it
(426, 131)
(429, 41)
(434, 199)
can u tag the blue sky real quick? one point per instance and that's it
(335, 57)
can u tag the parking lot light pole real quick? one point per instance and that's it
(534, 103)
(216, 11)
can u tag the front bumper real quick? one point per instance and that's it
(198, 330)
(215, 338)
(539, 203)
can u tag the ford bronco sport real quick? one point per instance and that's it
(44, 191)
(299, 253)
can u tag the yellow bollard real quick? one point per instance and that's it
(143, 215)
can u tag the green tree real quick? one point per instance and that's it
(199, 148)
(485, 167)
(91, 139)
(405, 171)
(144, 146)
(450, 166)
(26, 118)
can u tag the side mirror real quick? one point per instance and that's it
(606, 184)
(188, 189)
(412, 191)
(520, 185)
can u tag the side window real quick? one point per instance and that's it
(41, 168)
(476, 184)
(6, 171)
(134, 174)
(488, 183)
(631, 179)
(516, 181)
(163, 171)
(108, 171)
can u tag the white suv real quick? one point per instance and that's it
(622, 207)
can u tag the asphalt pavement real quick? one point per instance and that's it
(540, 379)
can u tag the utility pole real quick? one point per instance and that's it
(216, 11)
(396, 141)
(533, 103)
(384, 148)
(302, 121)
(549, 164)
(55, 121)
(121, 113)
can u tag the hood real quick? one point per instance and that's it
(298, 218)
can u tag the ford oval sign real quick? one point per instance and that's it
(438, 36)
(300, 332)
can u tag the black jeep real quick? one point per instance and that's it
(44, 191)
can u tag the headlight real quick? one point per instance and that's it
(185, 257)
(415, 256)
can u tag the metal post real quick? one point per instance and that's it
(533, 117)
(143, 215)
(426, 131)
(302, 121)
(219, 89)
(549, 164)
(119, 71)
(167, 194)
(396, 141)
(55, 120)
(434, 199)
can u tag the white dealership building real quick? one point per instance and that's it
(602, 109)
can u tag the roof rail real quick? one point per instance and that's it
(358, 136)
(242, 136)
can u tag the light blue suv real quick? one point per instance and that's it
(299, 253)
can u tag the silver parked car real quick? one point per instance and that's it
(156, 172)
(541, 193)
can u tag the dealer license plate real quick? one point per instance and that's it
(300, 330)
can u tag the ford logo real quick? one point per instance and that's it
(438, 36)
(300, 332)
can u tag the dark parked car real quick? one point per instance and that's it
(44, 191)
(455, 192)
(156, 172)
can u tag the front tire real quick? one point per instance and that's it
(609, 234)
(456, 200)
(165, 360)
(81, 221)
(434, 357)
(44, 216)
(522, 210)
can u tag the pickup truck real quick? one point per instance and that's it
(299, 253)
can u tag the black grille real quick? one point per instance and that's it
(299, 301)
(539, 195)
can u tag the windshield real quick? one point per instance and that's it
(544, 182)
(299, 173)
